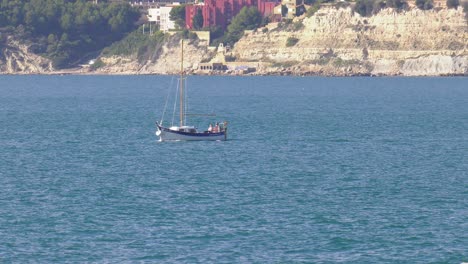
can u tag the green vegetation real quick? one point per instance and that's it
(339, 62)
(371, 7)
(313, 9)
(465, 9)
(298, 25)
(177, 14)
(365, 53)
(230, 58)
(248, 18)
(216, 34)
(98, 64)
(285, 24)
(284, 64)
(453, 3)
(288, 25)
(397, 4)
(424, 4)
(284, 10)
(187, 34)
(321, 61)
(198, 20)
(67, 31)
(144, 45)
(291, 41)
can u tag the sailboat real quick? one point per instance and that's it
(185, 132)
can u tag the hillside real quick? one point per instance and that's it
(334, 41)
(340, 42)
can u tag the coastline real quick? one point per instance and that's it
(189, 73)
(331, 43)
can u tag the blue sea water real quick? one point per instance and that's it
(316, 170)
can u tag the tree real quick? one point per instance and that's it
(177, 15)
(198, 20)
(284, 10)
(424, 4)
(67, 31)
(291, 41)
(453, 3)
(66, 22)
(364, 7)
(397, 4)
(247, 19)
(465, 9)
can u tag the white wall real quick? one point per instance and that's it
(154, 15)
(161, 15)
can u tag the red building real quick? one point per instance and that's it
(221, 12)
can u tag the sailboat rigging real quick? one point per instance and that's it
(183, 131)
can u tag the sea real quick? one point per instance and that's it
(315, 170)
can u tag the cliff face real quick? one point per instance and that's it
(15, 58)
(331, 42)
(341, 42)
(168, 61)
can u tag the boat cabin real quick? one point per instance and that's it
(188, 129)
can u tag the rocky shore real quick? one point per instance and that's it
(332, 42)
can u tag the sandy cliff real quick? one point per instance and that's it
(167, 62)
(15, 58)
(341, 42)
(334, 41)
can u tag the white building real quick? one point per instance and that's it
(160, 15)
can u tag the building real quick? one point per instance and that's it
(294, 8)
(154, 15)
(161, 16)
(220, 12)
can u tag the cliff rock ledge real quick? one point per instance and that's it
(333, 42)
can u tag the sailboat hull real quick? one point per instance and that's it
(184, 132)
(166, 134)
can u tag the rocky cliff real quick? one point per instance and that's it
(341, 42)
(334, 41)
(16, 58)
(167, 60)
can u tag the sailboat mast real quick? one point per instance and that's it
(181, 104)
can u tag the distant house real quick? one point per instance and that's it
(221, 12)
(161, 16)
(293, 8)
(154, 15)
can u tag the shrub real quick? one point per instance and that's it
(230, 58)
(284, 24)
(313, 9)
(249, 18)
(177, 14)
(364, 7)
(397, 4)
(75, 29)
(284, 64)
(365, 53)
(378, 5)
(60, 60)
(465, 9)
(453, 3)
(144, 46)
(339, 62)
(186, 34)
(298, 25)
(198, 20)
(424, 4)
(284, 10)
(370, 7)
(291, 41)
(97, 64)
